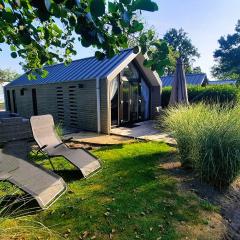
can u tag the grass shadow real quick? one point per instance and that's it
(18, 205)
(69, 175)
(109, 147)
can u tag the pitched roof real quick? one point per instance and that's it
(82, 69)
(192, 79)
(222, 82)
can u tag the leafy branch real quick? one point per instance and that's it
(43, 32)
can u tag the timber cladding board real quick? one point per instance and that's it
(23, 103)
(14, 129)
(105, 107)
(73, 103)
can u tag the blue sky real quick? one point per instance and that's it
(204, 20)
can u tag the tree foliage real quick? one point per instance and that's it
(156, 50)
(182, 45)
(227, 57)
(196, 70)
(43, 31)
(159, 53)
(7, 75)
(173, 56)
(178, 44)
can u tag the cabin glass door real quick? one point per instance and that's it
(133, 98)
(134, 101)
(126, 101)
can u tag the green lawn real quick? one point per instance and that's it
(131, 198)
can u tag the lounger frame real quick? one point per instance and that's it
(27, 190)
(41, 149)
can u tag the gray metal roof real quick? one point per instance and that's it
(192, 79)
(82, 69)
(222, 82)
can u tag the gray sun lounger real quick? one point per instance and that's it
(48, 141)
(45, 186)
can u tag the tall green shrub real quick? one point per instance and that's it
(212, 94)
(208, 140)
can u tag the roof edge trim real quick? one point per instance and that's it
(121, 66)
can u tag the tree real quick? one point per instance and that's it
(161, 55)
(156, 49)
(181, 44)
(227, 57)
(171, 67)
(6, 75)
(41, 31)
(196, 70)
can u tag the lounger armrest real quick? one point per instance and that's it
(41, 148)
(67, 139)
(44, 146)
(64, 140)
(58, 144)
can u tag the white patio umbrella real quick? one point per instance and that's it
(179, 86)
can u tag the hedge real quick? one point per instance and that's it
(210, 94)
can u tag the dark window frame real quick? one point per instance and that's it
(34, 101)
(22, 91)
(9, 105)
(14, 101)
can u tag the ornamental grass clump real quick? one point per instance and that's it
(18, 207)
(59, 129)
(185, 123)
(208, 140)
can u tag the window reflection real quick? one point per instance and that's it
(130, 97)
(131, 72)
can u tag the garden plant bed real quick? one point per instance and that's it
(131, 198)
(227, 200)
